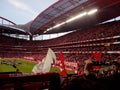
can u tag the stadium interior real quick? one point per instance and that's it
(94, 29)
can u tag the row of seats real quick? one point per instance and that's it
(76, 46)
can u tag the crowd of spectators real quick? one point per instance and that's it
(76, 46)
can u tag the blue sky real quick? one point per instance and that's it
(23, 11)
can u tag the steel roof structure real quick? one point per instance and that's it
(65, 9)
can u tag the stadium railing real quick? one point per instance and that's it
(49, 81)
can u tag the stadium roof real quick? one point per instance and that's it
(63, 10)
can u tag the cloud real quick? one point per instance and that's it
(22, 6)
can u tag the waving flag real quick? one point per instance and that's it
(62, 65)
(38, 67)
(50, 57)
(46, 63)
(97, 56)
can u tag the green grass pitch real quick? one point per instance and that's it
(24, 67)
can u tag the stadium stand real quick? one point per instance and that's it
(77, 47)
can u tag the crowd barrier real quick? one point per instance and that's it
(13, 81)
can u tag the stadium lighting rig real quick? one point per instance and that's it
(92, 11)
(73, 18)
(76, 17)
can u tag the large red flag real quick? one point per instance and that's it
(62, 65)
(97, 56)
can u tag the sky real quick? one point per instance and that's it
(23, 11)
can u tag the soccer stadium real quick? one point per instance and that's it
(70, 45)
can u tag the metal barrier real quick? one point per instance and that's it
(49, 81)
